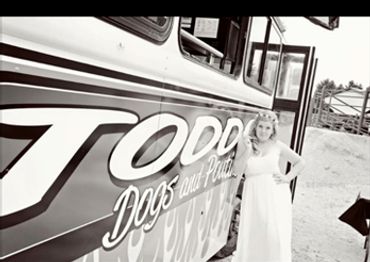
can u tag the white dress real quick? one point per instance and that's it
(266, 213)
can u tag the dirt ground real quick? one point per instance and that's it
(337, 170)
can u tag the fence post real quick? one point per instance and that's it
(364, 104)
(321, 104)
(328, 111)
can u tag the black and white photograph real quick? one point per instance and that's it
(188, 139)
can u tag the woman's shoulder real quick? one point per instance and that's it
(287, 152)
(281, 145)
(284, 148)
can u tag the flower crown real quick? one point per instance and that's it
(272, 118)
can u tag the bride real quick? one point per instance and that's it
(266, 212)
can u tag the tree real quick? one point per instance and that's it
(328, 84)
(352, 84)
(329, 87)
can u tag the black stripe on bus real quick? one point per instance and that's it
(22, 53)
(14, 77)
(32, 133)
(67, 247)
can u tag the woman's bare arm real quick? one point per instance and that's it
(296, 160)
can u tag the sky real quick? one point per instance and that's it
(343, 54)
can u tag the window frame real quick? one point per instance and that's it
(248, 80)
(142, 27)
(212, 52)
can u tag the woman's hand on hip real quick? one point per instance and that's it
(280, 178)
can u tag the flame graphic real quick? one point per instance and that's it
(185, 233)
(156, 252)
(189, 218)
(170, 233)
(134, 249)
(204, 226)
(95, 256)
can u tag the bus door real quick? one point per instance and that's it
(292, 96)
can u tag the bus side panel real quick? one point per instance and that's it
(102, 160)
(173, 211)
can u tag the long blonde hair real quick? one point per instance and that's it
(265, 115)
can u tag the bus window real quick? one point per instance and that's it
(291, 74)
(154, 28)
(256, 39)
(263, 55)
(271, 65)
(213, 41)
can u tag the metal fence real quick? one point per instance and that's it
(345, 110)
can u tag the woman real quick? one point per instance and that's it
(266, 214)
